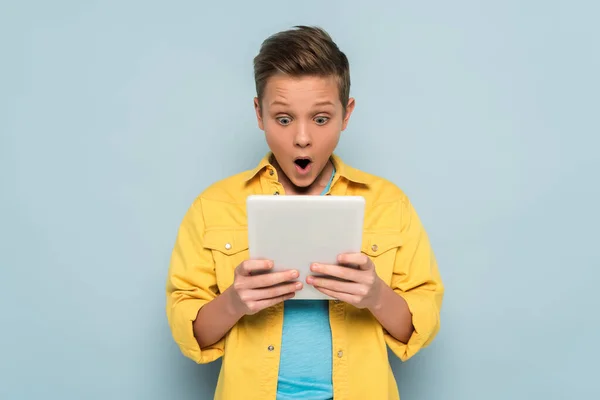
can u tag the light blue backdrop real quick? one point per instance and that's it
(114, 115)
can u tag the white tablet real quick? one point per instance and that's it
(295, 231)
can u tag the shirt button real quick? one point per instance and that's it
(271, 348)
(340, 354)
(276, 193)
(374, 247)
(227, 246)
(271, 172)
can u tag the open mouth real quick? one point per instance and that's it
(303, 163)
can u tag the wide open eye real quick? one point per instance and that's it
(321, 120)
(284, 120)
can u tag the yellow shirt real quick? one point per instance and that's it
(212, 241)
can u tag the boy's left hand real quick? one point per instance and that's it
(363, 286)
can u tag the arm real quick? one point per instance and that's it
(408, 309)
(199, 316)
(392, 312)
(248, 295)
(417, 280)
(191, 285)
(364, 289)
(215, 319)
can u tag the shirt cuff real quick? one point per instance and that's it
(425, 319)
(181, 318)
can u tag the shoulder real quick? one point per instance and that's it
(231, 189)
(223, 202)
(388, 207)
(377, 188)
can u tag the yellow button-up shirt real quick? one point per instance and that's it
(212, 241)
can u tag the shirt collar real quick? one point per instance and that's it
(342, 169)
(264, 163)
(348, 172)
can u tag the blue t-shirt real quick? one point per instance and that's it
(306, 350)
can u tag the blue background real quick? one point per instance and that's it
(114, 115)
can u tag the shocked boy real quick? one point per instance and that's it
(274, 349)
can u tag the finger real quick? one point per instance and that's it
(345, 297)
(355, 259)
(338, 271)
(247, 267)
(267, 280)
(262, 304)
(274, 291)
(337, 285)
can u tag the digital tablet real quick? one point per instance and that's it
(296, 231)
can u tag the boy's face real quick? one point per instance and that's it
(302, 118)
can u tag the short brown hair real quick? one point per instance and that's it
(302, 51)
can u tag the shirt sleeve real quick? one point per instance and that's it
(191, 283)
(417, 279)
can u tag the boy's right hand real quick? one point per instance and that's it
(253, 291)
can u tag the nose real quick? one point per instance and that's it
(302, 137)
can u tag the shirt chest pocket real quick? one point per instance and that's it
(382, 248)
(229, 248)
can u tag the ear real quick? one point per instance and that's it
(258, 114)
(349, 109)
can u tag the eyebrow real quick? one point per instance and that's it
(319, 104)
(325, 103)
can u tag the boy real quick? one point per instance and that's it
(217, 307)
